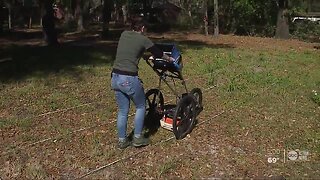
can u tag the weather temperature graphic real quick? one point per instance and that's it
(274, 155)
(284, 155)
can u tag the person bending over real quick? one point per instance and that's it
(126, 83)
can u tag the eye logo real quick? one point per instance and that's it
(301, 155)
(293, 155)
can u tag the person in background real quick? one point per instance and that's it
(126, 83)
(48, 24)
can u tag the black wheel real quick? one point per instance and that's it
(184, 116)
(197, 93)
(154, 111)
(154, 101)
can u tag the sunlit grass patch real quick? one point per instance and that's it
(315, 97)
(25, 123)
(168, 166)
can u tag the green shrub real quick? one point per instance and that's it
(307, 31)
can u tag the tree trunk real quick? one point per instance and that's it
(80, 26)
(205, 18)
(48, 24)
(9, 18)
(117, 11)
(216, 18)
(68, 16)
(30, 22)
(42, 11)
(1, 17)
(190, 13)
(1, 25)
(106, 13)
(282, 31)
(79, 16)
(29, 10)
(145, 7)
(125, 13)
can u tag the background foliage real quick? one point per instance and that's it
(240, 17)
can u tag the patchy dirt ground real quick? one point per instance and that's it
(59, 145)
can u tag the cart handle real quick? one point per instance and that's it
(151, 58)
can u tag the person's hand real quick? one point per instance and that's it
(171, 59)
(146, 57)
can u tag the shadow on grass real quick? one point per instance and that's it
(201, 44)
(43, 60)
(21, 35)
(152, 123)
(26, 60)
(195, 44)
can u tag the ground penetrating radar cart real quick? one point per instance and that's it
(181, 116)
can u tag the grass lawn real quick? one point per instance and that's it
(261, 102)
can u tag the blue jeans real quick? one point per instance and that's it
(129, 88)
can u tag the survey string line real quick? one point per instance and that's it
(140, 151)
(75, 131)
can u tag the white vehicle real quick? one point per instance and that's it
(302, 18)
